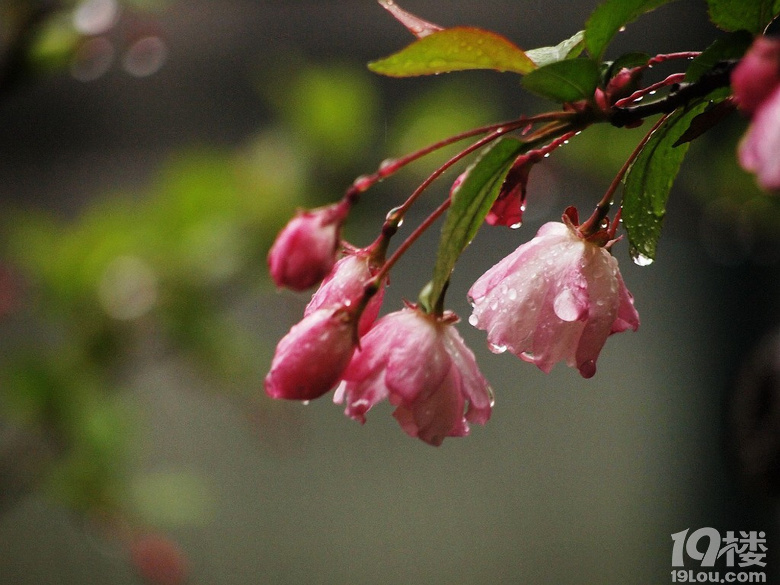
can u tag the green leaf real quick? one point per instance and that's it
(566, 49)
(605, 22)
(650, 180)
(455, 49)
(752, 15)
(731, 46)
(564, 81)
(471, 202)
(627, 61)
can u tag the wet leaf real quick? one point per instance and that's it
(650, 180)
(605, 22)
(734, 15)
(731, 46)
(455, 49)
(567, 49)
(471, 202)
(564, 81)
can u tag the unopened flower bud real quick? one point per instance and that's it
(310, 359)
(305, 250)
(757, 75)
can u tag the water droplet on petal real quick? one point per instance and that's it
(495, 348)
(514, 226)
(566, 306)
(305, 402)
(512, 294)
(473, 320)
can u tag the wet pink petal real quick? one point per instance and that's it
(757, 75)
(555, 298)
(305, 250)
(310, 359)
(759, 150)
(344, 286)
(420, 364)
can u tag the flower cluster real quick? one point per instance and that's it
(559, 296)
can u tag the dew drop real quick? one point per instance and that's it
(473, 320)
(512, 294)
(387, 166)
(491, 396)
(362, 183)
(641, 259)
(495, 348)
(305, 402)
(515, 226)
(622, 29)
(566, 307)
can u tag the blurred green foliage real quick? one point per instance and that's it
(161, 268)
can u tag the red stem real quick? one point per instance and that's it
(593, 223)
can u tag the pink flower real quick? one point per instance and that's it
(310, 359)
(759, 150)
(555, 298)
(757, 75)
(305, 250)
(344, 286)
(421, 365)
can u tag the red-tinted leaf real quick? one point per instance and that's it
(455, 49)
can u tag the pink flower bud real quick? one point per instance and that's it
(310, 359)
(421, 365)
(759, 150)
(555, 298)
(158, 560)
(305, 250)
(757, 75)
(344, 286)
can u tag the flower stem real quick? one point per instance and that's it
(595, 221)
(390, 166)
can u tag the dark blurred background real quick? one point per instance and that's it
(149, 153)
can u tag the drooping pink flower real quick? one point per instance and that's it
(310, 359)
(305, 250)
(759, 150)
(421, 365)
(757, 75)
(344, 286)
(555, 298)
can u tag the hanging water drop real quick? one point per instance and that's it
(640, 259)
(496, 348)
(473, 320)
(514, 226)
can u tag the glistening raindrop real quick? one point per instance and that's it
(641, 260)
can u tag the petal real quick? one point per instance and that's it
(418, 361)
(436, 415)
(759, 151)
